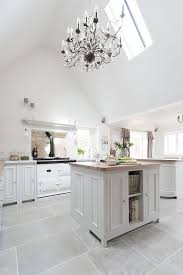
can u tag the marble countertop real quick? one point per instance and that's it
(104, 167)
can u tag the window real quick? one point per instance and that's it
(139, 148)
(180, 143)
(173, 144)
(83, 141)
(170, 144)
(134, 33)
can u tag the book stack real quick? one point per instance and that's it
(134, 184)
(133, 210)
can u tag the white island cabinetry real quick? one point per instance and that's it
(110, 201)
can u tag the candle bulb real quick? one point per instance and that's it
(86, 16)
(63, 45)
(107, 26)
(68, 31)
(96, 12)
(78, 23)
(71, 32)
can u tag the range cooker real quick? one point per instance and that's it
(53, 176)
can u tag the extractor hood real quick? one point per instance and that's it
(36, 124)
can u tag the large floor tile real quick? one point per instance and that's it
(8, 262)
(173, 266)
(88, 238)
(37, 257)
(29, 216)
(154, 243)
(35, 231)
(19, 235)
(77, 266)
(119, 258)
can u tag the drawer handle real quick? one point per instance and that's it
(49, 170)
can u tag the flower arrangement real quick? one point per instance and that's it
(124, 147)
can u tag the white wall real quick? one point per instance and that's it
(42, 78)
(152, 79)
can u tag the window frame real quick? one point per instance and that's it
(177, 152)
(138, 23)
(144, 154)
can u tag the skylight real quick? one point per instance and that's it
(134, 33)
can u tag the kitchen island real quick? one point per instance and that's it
(112, 200)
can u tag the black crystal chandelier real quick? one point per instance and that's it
(90, 46)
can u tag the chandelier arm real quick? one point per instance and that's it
(117, 53)
(72, 65)
(110, 36)
(74, 51)
(74, 57)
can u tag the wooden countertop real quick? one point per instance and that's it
(161, 161)
(104, 167)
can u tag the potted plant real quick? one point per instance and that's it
(124, 148)
(80, 152)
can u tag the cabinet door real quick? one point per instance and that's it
(95, 201)
(28, 182)
(151, 194)
(168, 180)
(10, 184)
(117, 202)
(78, 194)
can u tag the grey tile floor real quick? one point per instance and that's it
(41, 238)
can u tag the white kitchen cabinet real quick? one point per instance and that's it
(78, 190)
(19, 181)
(151, 194)
(86, 203)
(100, 199)
(1, 200)
(168, 180)
(117, 202)
(28, 182)
(10, 184)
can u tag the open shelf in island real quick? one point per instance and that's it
(135, 184)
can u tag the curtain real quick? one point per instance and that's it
(150, 138)
(125, 134)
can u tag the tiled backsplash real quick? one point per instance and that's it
(41, 141)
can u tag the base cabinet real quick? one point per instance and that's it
(86, 201)
(151, 194)
(168, 180)
(102, 202)
(19, 183)
(117, 202)
(1, 201)
(10, 184)
(28, 182)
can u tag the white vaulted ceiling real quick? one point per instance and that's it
(124, 87)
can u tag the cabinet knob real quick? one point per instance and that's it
(124, 201)
(146, 195)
